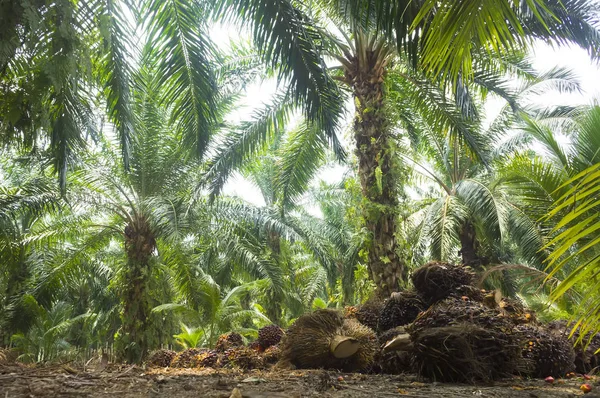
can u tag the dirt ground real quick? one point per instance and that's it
(128, 381)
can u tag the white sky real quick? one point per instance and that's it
(544, 58)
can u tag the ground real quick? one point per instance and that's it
(132, 381)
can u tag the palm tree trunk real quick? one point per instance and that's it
(468, 245)
(273, 303)
(134, 337)
(375, 152)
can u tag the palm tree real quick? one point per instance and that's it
(26, 197)
(573, 170)
(364, 58)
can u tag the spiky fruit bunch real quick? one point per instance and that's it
(368, 313)
(350, 311)
(243, 358)
(437, 280)
(454, 311)
(271, 355)
(395, 362)
(207, 359)
(586, 358)
(187, 358)
(400, 309)
(269, 336)
(312, 342)
(161, 358)
(548, 354)
(255, 345)
(465, 352)
(516, 311)
(468, 292)
(229, 340)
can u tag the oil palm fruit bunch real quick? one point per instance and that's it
(161, 358)
(187, 358)
(229, 340)
(547, 353)
(453, 311)
(400, 309)
(255, 345)
(459, 340)
(516, 311)
(435, 281)
(325, 339)
(465, 352)
(271, 355)
(468, 292)
(393, 361)
(207, 359)
(586, 357)
(243, 358)
(368, 313)
(269, 336)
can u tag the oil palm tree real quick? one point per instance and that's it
(364, 58)
(26, 198)
(572, 172)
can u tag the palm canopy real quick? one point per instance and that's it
(57, 59)
(445, 36)
(471, 208)
(574, 242)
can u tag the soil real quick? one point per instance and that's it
(132, 381)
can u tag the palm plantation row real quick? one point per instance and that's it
(121, 129)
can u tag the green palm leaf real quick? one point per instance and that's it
(289, 40)
(183, 55)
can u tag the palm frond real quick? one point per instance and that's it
(579, 242)
(179, 47)
(289, 42)
(301, 156)
(115, 72)
(247, 140)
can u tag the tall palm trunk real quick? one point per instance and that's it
(135, 333)
(469, 247)
(273, 304)
(364, 73)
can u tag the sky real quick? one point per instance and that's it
(544, 57)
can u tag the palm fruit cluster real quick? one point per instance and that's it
(464, 341)
(269, 336)
(243, 358)
(586, 358)
(186, 358)
(437, 280)
(229, 340)
(465, 352)
(546, 353)
(369, 313)
(255, 345)
(454, 331)
(161, 358)
(271, 355)
(400, 309)
(468, 292)
(350, 311)
(394, 362)
(454, 311)
(308, 342)
(207, 359)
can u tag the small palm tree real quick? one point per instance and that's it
(474, 212)
(25, 199)
(574, 242)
